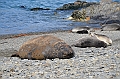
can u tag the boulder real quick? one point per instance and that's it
(74, 6)
(77, 15)
(45, 47)
(37, 8)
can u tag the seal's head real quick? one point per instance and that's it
(91, 34)
(101, 37)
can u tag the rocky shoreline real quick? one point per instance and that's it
(99, 13)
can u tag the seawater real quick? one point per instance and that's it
(16, 20)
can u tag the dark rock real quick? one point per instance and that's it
(37, 8)
(79, 16)
(74, 6)
(45, 47)
(99, 17)
(22, 6)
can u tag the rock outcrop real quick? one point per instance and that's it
(79, 16)
(74, 6)
(37, 8)
(103, 12)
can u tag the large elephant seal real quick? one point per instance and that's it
(110, 27)
(103, 38)
(44, 47)
(90, 42)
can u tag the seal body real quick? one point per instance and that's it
(90, 42)
(110, 27)
(45, 47)
(81, 30)
(103, 38)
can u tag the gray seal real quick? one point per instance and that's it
(110, 27)
(82, 30)
(103, 38)
(90, 42)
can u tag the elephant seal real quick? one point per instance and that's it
(110, 27)
(90, 42)
(82, 30)
(45, 47)
(103, 38)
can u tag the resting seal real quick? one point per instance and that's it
(110, 27)
(44, 47)
(90, 42)
(82, 30)
(103, 38)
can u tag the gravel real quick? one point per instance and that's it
(88, 63)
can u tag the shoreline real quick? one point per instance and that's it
(6, 36)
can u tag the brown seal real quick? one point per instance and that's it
(44, 47)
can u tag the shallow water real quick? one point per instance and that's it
(15, 20)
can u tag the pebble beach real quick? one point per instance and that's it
(88, 63)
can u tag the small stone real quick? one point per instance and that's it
(12, 70)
